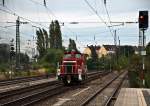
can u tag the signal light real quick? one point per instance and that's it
(143, 19)
(12, 48)
(12, 52)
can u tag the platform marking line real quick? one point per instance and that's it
(142, 98)
(61, 101)
(81, 91)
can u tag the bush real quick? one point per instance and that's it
(92, 64)
(147, 80)
(35, 66)
(4, 67)
(133, 79)
(49, 61)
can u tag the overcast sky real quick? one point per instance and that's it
(75, 10)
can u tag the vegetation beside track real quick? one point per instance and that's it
(135, 70)
(50, 49)
(116, 61)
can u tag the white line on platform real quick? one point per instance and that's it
(61, 101)
(81, 91)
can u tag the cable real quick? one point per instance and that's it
(98, 16)
(7, 26)
(20, 32)
(56, 17)
(50, 12)
(15, 14)
(108, 16)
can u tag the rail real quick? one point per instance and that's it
(99, 91)
(40, 95)
(112, 97)
(23, 79)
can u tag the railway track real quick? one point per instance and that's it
(23, 79)
(30, 95)
(100, 91)
(28, 79)
(113, 96)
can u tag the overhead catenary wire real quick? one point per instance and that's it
(9, 11)
(108, 16)
(11, 32)
(50, 12)
(99, 16)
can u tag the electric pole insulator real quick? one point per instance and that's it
(105, 2)
(3, 1)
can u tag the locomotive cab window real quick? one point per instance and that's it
(78, 55)
(67, 56)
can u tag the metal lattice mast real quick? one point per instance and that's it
(17, 43)
(115, 38)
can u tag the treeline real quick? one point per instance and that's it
(5, 56)
(52, 40)
(112, 61)
(50, 48)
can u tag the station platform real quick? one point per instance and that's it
(133, 97)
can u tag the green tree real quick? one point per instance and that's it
(24, 58)
(49, 61)
(93, 52)
(72, 45)
(148, 49)
(58, 37)
(41, 42)
(147, 59)
(46, 39)
(4, 53)
(52, 34)
(4, 57)
(55, 35)
(93, 63)
(126, 50)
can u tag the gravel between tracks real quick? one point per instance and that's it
(33, 95)
(24, 84)
(101, 98)
(22, 95)
(77, 94)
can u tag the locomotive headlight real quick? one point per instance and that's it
(58, 72)
(79, 71)
(80, 74)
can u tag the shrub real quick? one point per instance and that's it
(133, 79)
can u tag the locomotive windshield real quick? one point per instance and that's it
(67, 56)
(72, 56)
(78, 55)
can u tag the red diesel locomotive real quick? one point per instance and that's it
(72, 68)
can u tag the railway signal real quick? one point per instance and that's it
(143, 25)
(12, 52)
(143, 20)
